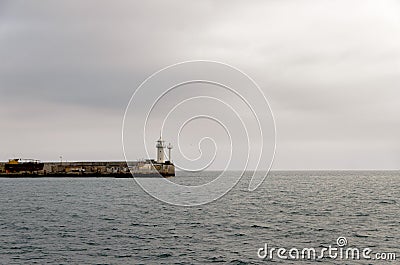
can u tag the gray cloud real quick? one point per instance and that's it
(330, 70)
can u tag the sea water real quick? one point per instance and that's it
(113, 221)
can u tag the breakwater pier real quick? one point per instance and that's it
(18, 167)
(33, 168)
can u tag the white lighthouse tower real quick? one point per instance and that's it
(160, 150)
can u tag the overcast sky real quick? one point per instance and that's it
(330, 70)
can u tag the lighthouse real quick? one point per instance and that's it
(160, 150)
